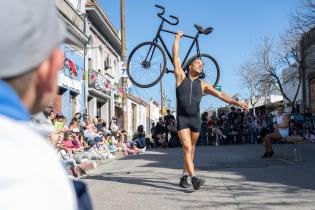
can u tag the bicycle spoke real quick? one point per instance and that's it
(146, 71)
(210, 69)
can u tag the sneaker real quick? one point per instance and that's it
(197, 182)
(266, 154)
(271, 154)
(183, 182)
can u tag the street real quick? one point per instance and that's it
(236, 178)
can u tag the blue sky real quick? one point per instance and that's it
(238, 26)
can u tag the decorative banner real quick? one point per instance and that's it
(72, 67)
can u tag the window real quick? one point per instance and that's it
(73, 103)
(108, 61)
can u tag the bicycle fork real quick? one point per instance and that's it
(147, 62)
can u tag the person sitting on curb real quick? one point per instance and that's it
(139, 138)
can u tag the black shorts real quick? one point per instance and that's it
(191, 122)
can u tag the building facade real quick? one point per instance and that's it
(103, 64)
(138, 114)
(71, 96)
(308, 73)
(290, 85)
(154, 112)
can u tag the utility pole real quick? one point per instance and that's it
(123, 59)
(161, 92)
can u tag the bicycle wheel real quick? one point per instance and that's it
(146, 64)
(211, 69)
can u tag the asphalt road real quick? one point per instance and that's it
(236, 178)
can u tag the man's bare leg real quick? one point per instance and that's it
(194, 138)
(268, 143)
(268, 140)
(185, 137)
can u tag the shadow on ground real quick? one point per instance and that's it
(245, 175)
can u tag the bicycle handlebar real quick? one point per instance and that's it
(171, 16)
(176, 18)
(162, 8)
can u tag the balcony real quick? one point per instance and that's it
(99, 82)
(74, 22)
(67, 10)
(99, 19)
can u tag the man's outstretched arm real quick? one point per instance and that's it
(209, 89)
(178, 71)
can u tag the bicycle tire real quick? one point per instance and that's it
(144, 74)
(206, 71)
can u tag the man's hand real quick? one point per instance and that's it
(243, 105)
(179, 35)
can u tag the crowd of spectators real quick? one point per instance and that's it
(83, 140)
(239, 127)
(164, 132)
(233, 126)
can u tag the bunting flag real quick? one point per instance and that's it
(85, 74)
(121, 91)
(101, 85)
(114, 87)
(107, 86)
(72, 67)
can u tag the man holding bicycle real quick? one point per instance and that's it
(189, 90)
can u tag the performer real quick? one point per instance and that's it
(189, 90)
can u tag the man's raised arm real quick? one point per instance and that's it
(178, 71)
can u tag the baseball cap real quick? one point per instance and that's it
(29, 30)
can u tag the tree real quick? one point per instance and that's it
(291, 58)
(293, 54)
(303, 19)
(290, 55)
(271, 64)
(248, 76)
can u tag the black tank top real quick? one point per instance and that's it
(188, 97)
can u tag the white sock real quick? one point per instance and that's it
(185, 173)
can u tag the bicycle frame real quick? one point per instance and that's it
(158, 37)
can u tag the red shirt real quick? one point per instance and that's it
(210, 123)
(69, 144)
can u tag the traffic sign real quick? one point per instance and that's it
(218, 88)
(123, 68)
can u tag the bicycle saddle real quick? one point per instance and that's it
(205, 31)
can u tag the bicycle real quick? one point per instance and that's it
(152, 63)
